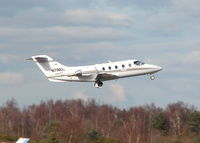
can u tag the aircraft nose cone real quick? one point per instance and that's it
(156, 68)
(159, 68)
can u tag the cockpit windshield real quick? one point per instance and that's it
(138, 63)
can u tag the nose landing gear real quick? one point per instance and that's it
(152, 77)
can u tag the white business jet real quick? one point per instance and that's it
(97, 73)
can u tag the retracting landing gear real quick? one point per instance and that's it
(98, 84)
(152, 77)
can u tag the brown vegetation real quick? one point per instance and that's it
(76, 121)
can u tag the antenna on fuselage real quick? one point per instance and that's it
(96, 70)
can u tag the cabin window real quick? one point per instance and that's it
(109, 68)
(123, 66)
(116, 67)
(103, 68)
(129, 65)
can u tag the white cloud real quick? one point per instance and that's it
(184, 85)
(7, 58)
(69, 17)
(8, 78)
(3, 46)
(192, 57)
(186, 7)
(62, 34)
(178, 17)
(118, 91)
(80, 95)
(181, 63)
(96, 18)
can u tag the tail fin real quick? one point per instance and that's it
(23, 140)
(47, 65)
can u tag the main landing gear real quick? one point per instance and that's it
(98, 84)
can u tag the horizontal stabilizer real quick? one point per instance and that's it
(41, 59)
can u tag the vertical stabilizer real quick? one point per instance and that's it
(48, 66)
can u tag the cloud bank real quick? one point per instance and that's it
(77, 32)
(9, 79)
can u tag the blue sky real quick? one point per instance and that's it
(80, 32)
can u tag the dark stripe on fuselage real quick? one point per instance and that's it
(101, 71)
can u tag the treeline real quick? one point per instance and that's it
(77, 121)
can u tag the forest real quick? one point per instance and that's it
(78, 121)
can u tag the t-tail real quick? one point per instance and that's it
(48, 66)
(23, 140)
